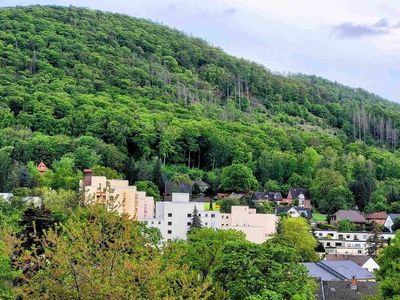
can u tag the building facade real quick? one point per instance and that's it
(173, 218)
(117, 195)
(353, 243)
(256, 227)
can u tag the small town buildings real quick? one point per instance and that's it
(338, 270)
(117, 195)
(377, 217)
(257, 227)
(389, 222)
(349, 243)
(259, 197)
(364, 261)
(294, 212)
(353, 216)
(173, 218)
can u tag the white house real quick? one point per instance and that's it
(390, 221)
(173, 218)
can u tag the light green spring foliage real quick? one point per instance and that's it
(132, 90)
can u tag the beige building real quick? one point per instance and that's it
(257, 227)
(117, 195)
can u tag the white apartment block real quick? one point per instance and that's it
(117, 195)
(257, 227)
(352, 243)
(173, 218)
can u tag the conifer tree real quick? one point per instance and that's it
(196, 221)
(157, 176)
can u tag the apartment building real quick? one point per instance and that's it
(173, 218)
(117, 195)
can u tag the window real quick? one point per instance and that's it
(152, 222)
(340, 236)
(212, 215)
(169, 223)
(199, 215)
(348, 236)
(159, 222)
(169, 231)
(189, 223)
(145, 222)
(206, 223)
(328, 244)
(320, 234)
(169, 214)
(359, 251)
(338, 244)
(206, 215)
(189, 215)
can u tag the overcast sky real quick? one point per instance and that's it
(355, 42)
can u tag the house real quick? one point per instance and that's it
(338, 270)
(294, 212)
(377, 217)
(345, 290)
(349, 243)
(300, 194)
(364, 261)
(117, 195)
(171, 187)
(237, 196)
(353, 216)
(294, 193)
(33, 200)
(258, 197)
(173, 218)
(257, 227)
(6, 196)
(42, 168)
(389, 222)
(203, 186)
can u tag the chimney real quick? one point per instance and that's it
(87, 177)
(353, 285)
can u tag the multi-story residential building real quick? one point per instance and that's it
(257, 227)
(117, 195)
(355, 243)
(173, 218)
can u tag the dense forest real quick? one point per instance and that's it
(82, 88)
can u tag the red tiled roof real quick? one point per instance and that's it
(377, 215)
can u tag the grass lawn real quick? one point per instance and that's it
(216, 207)
(317, 217)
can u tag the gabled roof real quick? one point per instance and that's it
(358, 259)
(295, 192)
(338, 270)
(377, 215)
(351, 215)
(340, 290)
(394, 216)
(271, 196)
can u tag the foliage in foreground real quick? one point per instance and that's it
(91, 253)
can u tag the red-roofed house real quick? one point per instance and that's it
(42, 168)
(377, 217)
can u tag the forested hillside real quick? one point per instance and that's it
(82, 88)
